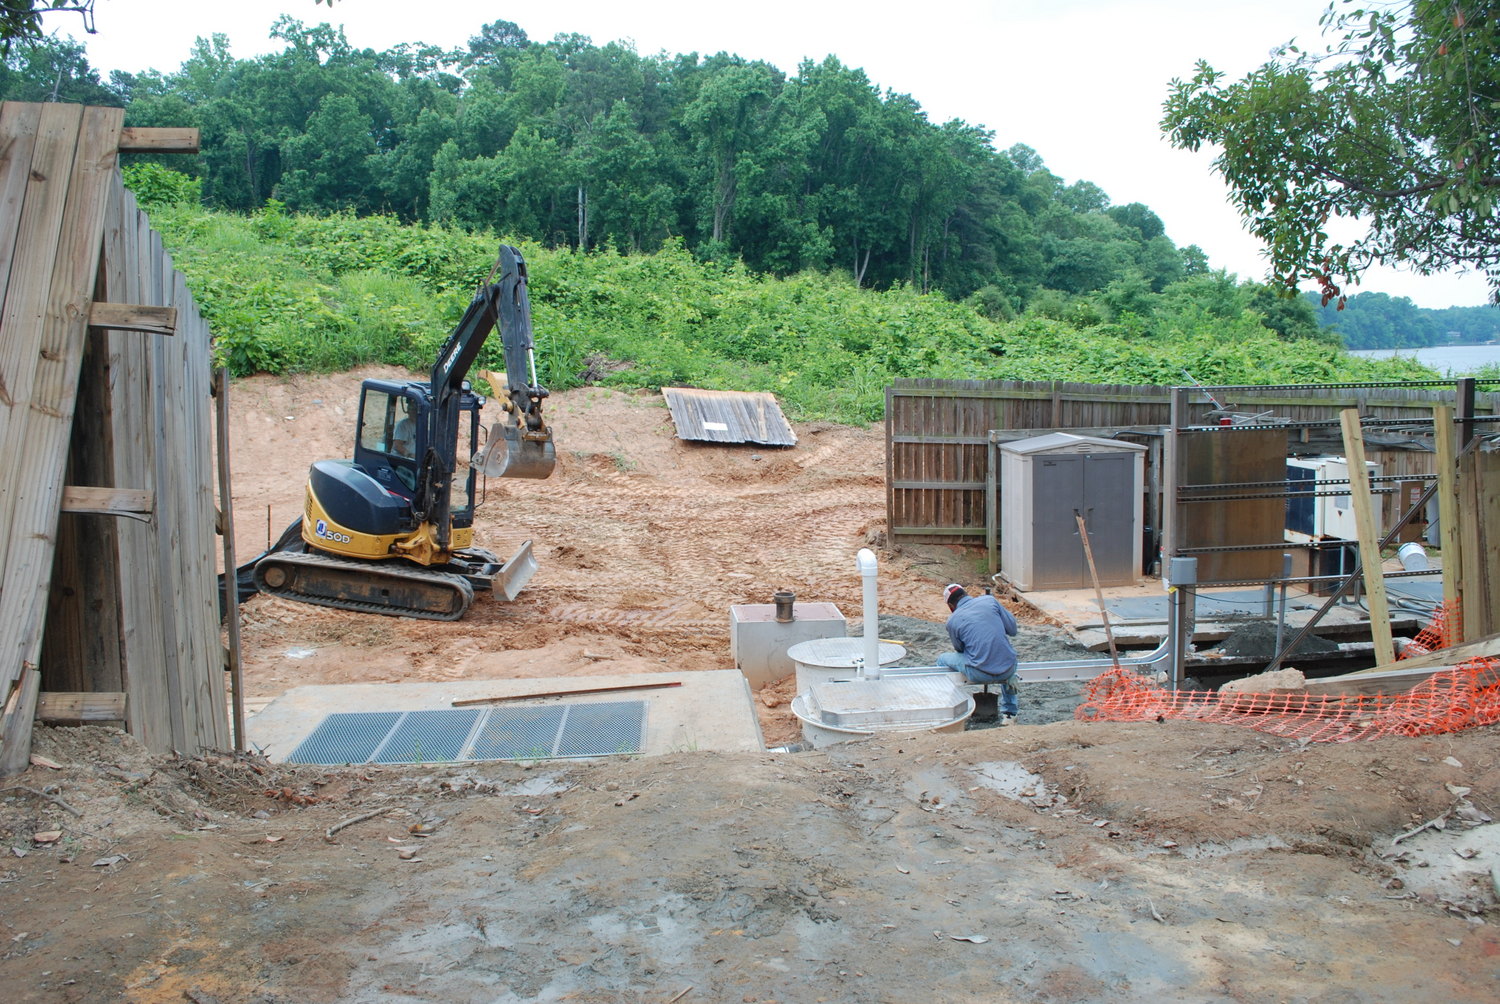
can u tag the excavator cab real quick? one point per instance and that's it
(392, 439)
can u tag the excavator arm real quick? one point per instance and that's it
(519, 446)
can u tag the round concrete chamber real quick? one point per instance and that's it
(842, 710)
(823, 660)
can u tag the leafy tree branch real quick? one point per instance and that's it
(1392, 124)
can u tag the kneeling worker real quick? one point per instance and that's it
(981, 628)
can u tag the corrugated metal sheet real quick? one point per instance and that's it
(725, 416)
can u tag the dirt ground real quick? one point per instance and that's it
(644, 542)
(1061, 862)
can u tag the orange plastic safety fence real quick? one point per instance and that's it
(1446, 628)
(1454, 699)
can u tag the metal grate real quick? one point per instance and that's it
(601, 729)
(437, 736)
(519, 733)
(449, 735)
(346, 738)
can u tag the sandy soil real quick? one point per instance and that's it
(644, 543)
(1064, 862)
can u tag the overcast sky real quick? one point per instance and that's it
(1080, 81)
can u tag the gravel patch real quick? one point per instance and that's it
(1040, 702)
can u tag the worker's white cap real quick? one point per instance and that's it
(950, 589)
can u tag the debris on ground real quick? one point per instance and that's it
(1274, 681)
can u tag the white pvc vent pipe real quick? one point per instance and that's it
(865, 562)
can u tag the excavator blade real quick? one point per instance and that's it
(512, 453)
(516, 572)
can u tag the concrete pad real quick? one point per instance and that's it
(710, 710)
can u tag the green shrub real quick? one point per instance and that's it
(285, 292)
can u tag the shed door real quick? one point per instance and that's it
(1109, 510)
(1056, 555)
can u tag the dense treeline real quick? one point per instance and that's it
(1379, 321)
(583, 146)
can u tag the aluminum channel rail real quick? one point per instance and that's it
(1053, 670)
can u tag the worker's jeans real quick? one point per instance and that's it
(1010, 694)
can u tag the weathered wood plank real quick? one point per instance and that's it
(18, 124)
(134, 317)
(166, 391)
(108, 501)
(96, 706)
(142, 632)
(231, 597)
(1391, 681)
(25, 309)
(1369, 537)
(138, 139)
(15, 722)
(201, 515)
(1447, 498)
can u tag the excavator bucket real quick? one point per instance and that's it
(514, 453)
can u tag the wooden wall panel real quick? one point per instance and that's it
(81, 645)
(18, 126)
(1479, 534)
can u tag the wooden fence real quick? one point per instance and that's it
(108, 609)
(938, 433)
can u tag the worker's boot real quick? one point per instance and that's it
(1010, 701)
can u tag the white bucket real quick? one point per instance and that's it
(1413, 558)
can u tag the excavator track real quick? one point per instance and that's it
(384, 588)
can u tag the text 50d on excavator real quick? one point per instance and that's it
(391, 531)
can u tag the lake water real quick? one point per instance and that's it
(1454, 360)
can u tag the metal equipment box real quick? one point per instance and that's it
(1311, 517)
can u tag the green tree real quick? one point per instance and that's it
(22, 19)
(54, 69)
(727, 120)
(1395, 124)
(326, 166)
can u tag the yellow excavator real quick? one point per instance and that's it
(391, 530)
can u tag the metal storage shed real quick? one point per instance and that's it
(1046, 481)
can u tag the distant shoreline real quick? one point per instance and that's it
(1456, 360)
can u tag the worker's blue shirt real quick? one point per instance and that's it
(981, 628)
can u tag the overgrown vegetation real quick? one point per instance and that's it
(292, 292)
(704, 166)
